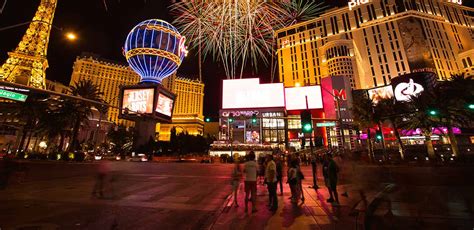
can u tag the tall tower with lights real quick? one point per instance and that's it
(27, 64)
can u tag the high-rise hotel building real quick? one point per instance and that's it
(372, 41)
(188, 109)
(110, 75)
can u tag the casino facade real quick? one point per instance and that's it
(372, 41)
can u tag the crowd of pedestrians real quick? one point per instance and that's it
(269, 171)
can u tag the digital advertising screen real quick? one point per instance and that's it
(138, 100)
(378, 94)
(164, 105)
(249, 93)
(252, 137)
(409, 85)
(296, 98)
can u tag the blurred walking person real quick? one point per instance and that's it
(292, 180)
(314, 171)
(250, 170)
(271, 179)
(236, 175)
(279, 171)
(103, 169)
(300, 178)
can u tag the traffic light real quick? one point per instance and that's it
(231, 118)
(208, 119)
(471, 106)
(254, 119)
(378, 136)
(433, 112)
(306, 121)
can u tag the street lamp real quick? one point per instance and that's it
(71, 36)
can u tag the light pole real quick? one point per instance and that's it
(69, 35)
(339, 117)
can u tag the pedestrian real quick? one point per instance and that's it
(279, 170)
(250, 170)
(292, 180)
(330, 172)
(314, 171)
(261, 170)
(271, 180)
(300, 177)
(103, 169)
(236, 175)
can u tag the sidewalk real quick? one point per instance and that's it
(406, 202)
(314, 213)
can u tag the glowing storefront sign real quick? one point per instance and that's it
(378, 94)
(240, 113)
(354, 3)
(164, 105)
(138, 100)
(405, 90)
(296, 98)
(249, 93)
(341, 94)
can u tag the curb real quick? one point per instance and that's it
(223, 209)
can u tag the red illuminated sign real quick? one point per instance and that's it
(341, 94)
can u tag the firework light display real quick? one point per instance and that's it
(239, 32)
(154, 49)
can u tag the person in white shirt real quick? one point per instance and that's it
(271, 180)
(250, 170)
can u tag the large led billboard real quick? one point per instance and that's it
(138, 100)
(146, 101)
(249, 93)
(377, 94)
(164, 105)
(409, 85)
(295, 98)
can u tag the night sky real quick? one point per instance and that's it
(103, 32)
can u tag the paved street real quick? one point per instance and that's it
(141, 196)
(57, 195)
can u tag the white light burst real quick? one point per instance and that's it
(238, 32)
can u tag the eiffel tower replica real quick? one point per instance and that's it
(27, 64)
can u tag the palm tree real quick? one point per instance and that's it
(390, 111)
(456, 95)
(362, 110)
(420, 117)
(30, 112)
(57, 122)
(88, 90)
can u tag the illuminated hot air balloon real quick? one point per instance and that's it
(154, 49)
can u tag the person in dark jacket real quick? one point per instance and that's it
(330, 171)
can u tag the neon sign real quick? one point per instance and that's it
(341, 94)
(182, 47)
(405, 90)
(354, 3)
